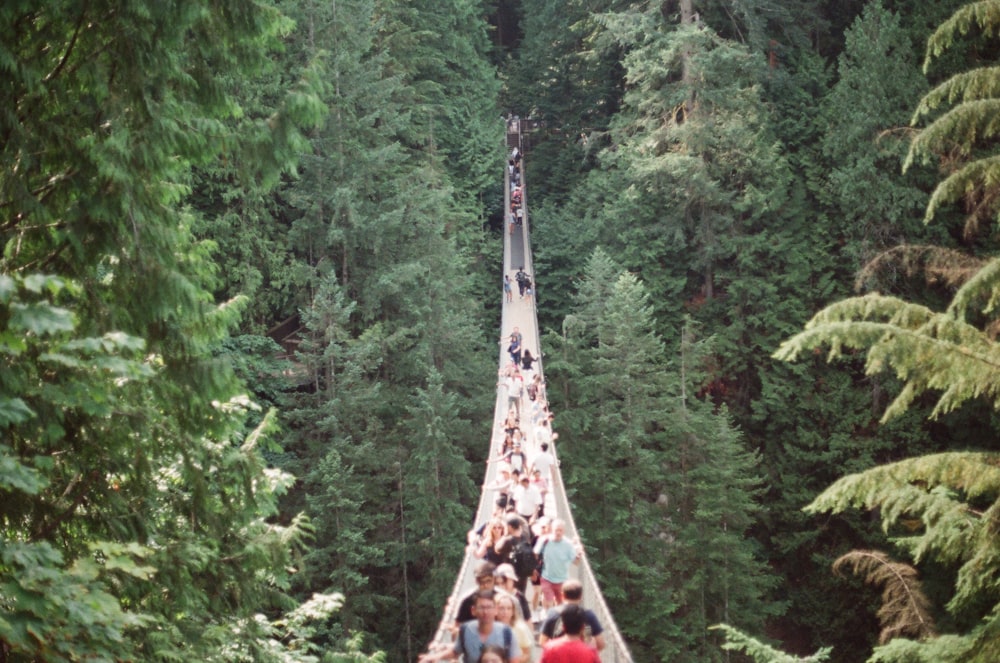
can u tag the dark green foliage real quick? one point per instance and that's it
(137, 512)
(663, 492)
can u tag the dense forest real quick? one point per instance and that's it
(249, 301)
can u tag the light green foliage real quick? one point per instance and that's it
(737, 640)
(956, 134)
(928, 351)
(939, 508)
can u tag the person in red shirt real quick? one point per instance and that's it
(570, 648)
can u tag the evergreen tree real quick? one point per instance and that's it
(649, 458)
(138, 517)
(940, 503)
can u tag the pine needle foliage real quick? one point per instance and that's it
(984, 15)
(938, 265)
(736, 640)
(941, 507)
(929, 351)
(905, 610)
(955, 135)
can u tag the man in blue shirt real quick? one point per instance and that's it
(557, 555)
(475, 635)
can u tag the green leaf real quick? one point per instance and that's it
(41, 318)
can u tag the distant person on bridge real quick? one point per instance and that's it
(489, 544)
(506, 579)
(527, 498)
(516, 550)
(514, 348)
(474, 635)
(527, 364)
(543, 433)
(522, 278)
(570, 648)
(541, 532)
(515, 387)
(554, 627)
(543, 461)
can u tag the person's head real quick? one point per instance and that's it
(572, 619)
(513, 525)
(485, 606)
(496, 529)
(525, 480)
(527, 353)
(572, 590)
(505, 575)
(506, 609)
(493, 654)
(545, 446)
(484, 576)
(558, 529)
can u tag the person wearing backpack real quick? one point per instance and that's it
(553, 627)
(475, 635)
(516, 549)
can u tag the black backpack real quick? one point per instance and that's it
(523, 559)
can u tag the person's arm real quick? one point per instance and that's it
(514, 650)
(599, 642)
(443, 655)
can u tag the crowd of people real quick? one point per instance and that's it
(525, 596)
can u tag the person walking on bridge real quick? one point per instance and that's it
(570, 648)
(557, 556)
(554, 626)
(476, 634)
(522, 280)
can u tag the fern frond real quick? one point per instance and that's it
(938, 265)
(956, 131)
(984, 14)
(905, 609)
(928, 351)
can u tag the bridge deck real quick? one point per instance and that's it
(521, 313)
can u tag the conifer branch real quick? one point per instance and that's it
(984, 14)
(928, 351)
(938, 265)
(905, 610)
